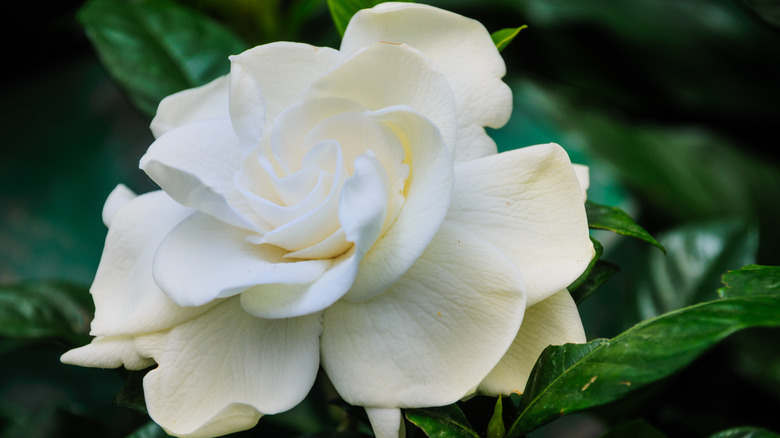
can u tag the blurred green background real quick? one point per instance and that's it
(673, 104)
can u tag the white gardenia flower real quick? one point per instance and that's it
(342, 208)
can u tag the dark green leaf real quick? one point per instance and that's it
(46, 309)
(634, 429)
(155, 48)
(751, 279)
(691, 272)
(599, 274)
(745, 432)
(577, 377)
(132, 393)
(343, 10)
(604, 217)
(502, 38)
(443, 422)
(496, 428)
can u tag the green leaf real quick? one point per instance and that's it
(751, 279)
(46, 309)
(745, 432)
(576, 377)
(599, 274)
(154, 48)
(502, 38)
(603, 217)
(691, 272)
(496, 428)
(343, 10)
(443, 422)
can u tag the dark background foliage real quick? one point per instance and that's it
(673, 104)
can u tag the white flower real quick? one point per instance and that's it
(342, 208)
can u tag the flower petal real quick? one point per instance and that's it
(195, 165)
(363, 203)
(384, 75)
(554, 321)
(127, 299)
(203, 259)
(434, 335)
(220, 372)
(427, 193)
(246, 107)
(107, 352)
(118, 197)
(461, 47)
(583, 176)
(209, 101)
(289, 300)
(387, 423)
(284, 69)
(529, 203)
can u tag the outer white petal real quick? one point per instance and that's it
(387, 423)
(107, 352)
(203, 259)
(554, 321)
(461, 48)
(118, 197)
(284, 69)
(195, 165)
(127, 300)
(385, 75)
(220, 372)
(583, 176)
(208, 101)
(433, 336)
(527, 202)
(427, 195)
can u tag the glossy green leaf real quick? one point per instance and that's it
(154, 48)
(751, 279)
(576, 377)
(442, 422)
(691, 271)
(502, 38)
(46, 309)
(745, 432)
(342, 11)
(496, 428)
(599, 274)
(603, 217)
